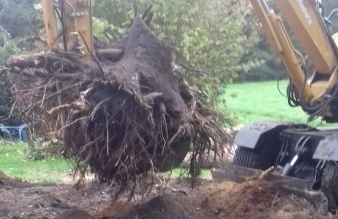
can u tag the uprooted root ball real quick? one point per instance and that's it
(132, 113)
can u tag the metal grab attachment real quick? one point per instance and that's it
(317, 183)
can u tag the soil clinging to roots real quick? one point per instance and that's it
(127, 112)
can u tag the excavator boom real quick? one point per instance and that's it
(312, 89)
(73, 32)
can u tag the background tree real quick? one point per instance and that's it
(265, 64)
(210, 36)
(7, 48)
(18, 17)
(329, 5)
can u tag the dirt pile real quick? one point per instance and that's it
(8, 182)
(163, 207)
(249, 200)
(75, 214)
(3, 176)
(255, 199)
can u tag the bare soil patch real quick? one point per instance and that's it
(251, 200)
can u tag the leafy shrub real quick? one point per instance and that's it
(42, 149)
(209, 35)
(17, 16)
(7, 48)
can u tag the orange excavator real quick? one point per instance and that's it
(304, 158)
(297, 151)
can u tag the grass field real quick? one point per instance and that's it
(245, 103)
(14, 163)
(261, 101)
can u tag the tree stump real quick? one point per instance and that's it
(129, 111)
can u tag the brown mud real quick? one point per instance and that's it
(254, 199)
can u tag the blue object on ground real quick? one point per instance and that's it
(21, 129)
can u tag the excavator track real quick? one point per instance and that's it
(330, 185)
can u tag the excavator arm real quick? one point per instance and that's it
(314, 91)
(304, 159)
(68, 24)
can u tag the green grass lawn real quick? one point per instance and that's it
(14, 163)
(261, 101)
